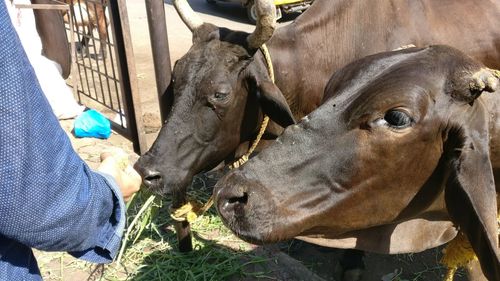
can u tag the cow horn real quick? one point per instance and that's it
(266, 23)
(188, 16)
(485, 80)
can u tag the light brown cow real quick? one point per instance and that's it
(404, 152)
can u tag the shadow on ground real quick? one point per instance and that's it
(261, 263)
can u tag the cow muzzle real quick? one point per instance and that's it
(151, 178)
(245, 207)
(232, 202)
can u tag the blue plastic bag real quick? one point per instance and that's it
(92, 124)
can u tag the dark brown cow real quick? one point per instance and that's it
(221, 86)
(403, 153)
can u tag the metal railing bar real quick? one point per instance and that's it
(92, 38)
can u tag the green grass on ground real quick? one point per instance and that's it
(151, 252)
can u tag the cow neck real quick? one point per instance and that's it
(244, 158)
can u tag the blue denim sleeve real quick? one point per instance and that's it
(49, 198)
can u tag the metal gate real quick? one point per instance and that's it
(104, 69)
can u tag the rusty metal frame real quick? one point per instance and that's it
(126, 67)
(128, 77)
(155, 11)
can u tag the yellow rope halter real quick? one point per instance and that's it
(243, 159)
(191, 210)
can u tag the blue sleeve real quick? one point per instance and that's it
(49, 198)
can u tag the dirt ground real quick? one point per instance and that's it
(295, 260)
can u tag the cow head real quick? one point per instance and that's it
(219, 94)
(395, 160)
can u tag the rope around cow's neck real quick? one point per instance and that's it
(243, 159)
(191, 210)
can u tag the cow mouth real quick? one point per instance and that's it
(173, 182)
(158, 185)
(259, 232)
(158, 189)
(252, 237)
(248, 231)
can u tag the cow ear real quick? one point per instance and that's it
(273, 103)
(167, 100)
(470, 193)
(205, 33)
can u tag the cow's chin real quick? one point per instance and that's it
(261, 225)
(175, 188)
(159, 189)
(261, 233)
(250, 227)
(175, 191)
(253, 236)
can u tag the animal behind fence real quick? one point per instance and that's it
(89, 15)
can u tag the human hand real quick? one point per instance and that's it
(115, 163)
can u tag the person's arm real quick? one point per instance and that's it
(49, 198)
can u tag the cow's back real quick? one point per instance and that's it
(332, 33)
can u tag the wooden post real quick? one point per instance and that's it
(161, 60)
(161, 55)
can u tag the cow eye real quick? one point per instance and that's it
(397, 119)
(220, 96)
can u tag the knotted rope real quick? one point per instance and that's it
(243, 159)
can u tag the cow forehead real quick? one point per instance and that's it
(428, 68)
(385, 93)
(207, 55)
(415, 81)
(209, 66)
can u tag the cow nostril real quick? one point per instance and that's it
(239, 199)
(152, 179)
(235, 205)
